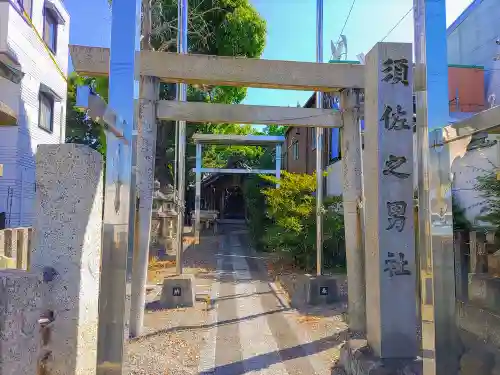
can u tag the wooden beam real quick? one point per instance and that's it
(90, 61)
(236, 171)
(228, 71)
(247, 114)
(233, 71)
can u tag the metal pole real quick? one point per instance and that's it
(125, 32)
(146, 151)
(319, 146)
(197, 201)
(435, 240)
(278, 163)
(182, 97)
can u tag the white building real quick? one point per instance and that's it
(33, 64)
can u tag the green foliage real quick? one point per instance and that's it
(216, 27)
(79, 127)
(489, 188)
(275, 130)
(460, 222)
(291, 212)
(255, 202)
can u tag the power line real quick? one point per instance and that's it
(347, 19)
(397, 24)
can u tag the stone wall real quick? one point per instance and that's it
(20, 303)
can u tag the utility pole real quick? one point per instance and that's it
(182, 11)
(319, 146)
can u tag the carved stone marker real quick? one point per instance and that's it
(19, 313)
(388, 171)
(67, 251)
(178, 291)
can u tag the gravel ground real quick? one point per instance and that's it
(173, 339)
(171, 344)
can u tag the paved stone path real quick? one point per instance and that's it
(251, 330)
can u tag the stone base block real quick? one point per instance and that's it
(178, 291)
(356, 358)
(476, 362)
(313, 290)
(20, 310)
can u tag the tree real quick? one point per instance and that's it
(275, 130)
(79, 127)
(489, 187)
(216, 27)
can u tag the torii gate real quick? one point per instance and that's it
(214, 70)
(387, 80)
(226, 139)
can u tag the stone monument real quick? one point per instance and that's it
(391, 297)
(67, 251)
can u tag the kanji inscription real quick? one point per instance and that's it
(395, 120)
(393, 164)
(395, 71)
(396, 264)
(396, 212)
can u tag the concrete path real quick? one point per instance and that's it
(251, 330)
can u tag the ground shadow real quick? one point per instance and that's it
(262, 361)
(156, 306)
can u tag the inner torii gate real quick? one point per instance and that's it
(387, 81)
(226, 139)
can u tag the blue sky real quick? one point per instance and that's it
(291, 26)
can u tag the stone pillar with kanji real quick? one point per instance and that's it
(390, 232)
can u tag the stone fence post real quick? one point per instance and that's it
(67, 252)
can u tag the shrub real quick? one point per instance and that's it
(291, 220)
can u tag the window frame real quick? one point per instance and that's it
(295, 150)
(22, 5)
(313, 138)
(43, 95)
(48, 15)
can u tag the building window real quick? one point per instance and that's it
(334, 144)
(46, 112)
(313, 138)
(50, 30)
(295, 150)
(26, 5)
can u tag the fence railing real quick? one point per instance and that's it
(15, 248)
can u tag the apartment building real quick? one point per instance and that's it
(34, 38)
